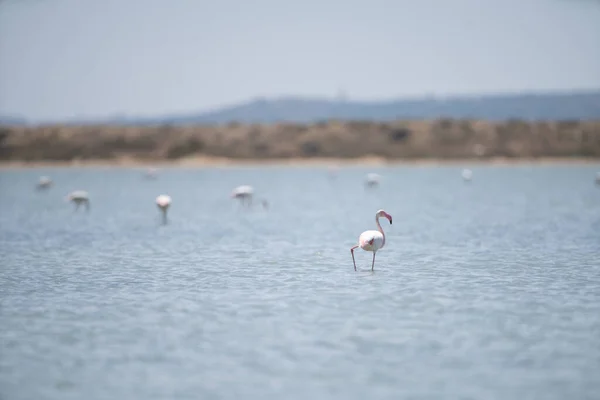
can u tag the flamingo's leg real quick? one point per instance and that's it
(352, 252)
(373, 264)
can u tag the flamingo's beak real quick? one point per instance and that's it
(389, 217)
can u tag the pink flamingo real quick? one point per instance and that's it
(244, 193)
(79, 197)
(163, 202)
(372, 240)
(373, 180)
(44, 183)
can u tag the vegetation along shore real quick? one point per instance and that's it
(401, 140)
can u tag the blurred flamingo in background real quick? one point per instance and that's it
(163, 202)
(373, 180)
(79, 197)
(151, 173)
(372, 240)
(44, 183)
(244, 193)
(467, 174)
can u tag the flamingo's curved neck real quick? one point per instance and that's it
(380, 229)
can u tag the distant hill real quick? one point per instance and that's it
(531, 107)
(582, 105)
(7, 120)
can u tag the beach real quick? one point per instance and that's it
(210, 162)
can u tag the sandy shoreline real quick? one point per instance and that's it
(209, 162)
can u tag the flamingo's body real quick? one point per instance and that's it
(372, 240)
(467, 174)
(163, 202)
(79, 197)
(44, 182)
(373, 180)
(244, 193)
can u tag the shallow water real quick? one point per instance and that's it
(484, 290)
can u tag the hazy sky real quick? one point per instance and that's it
(84, 58)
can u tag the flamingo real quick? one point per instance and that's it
(78, 197)
(373, 180)
(372, 240)
(467, 174)
(244, 193)
(44, 183)
(163, 202)
(151, 173)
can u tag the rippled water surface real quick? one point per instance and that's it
(484, 290)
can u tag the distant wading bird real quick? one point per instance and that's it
(244, 194)
(151, 173)
(467, 174)
(44, 183)
(372, 240)
(163, 202)
(373, 180)
(79, 197)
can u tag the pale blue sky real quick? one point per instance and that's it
(91, 58)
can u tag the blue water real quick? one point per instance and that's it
(484, 290)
